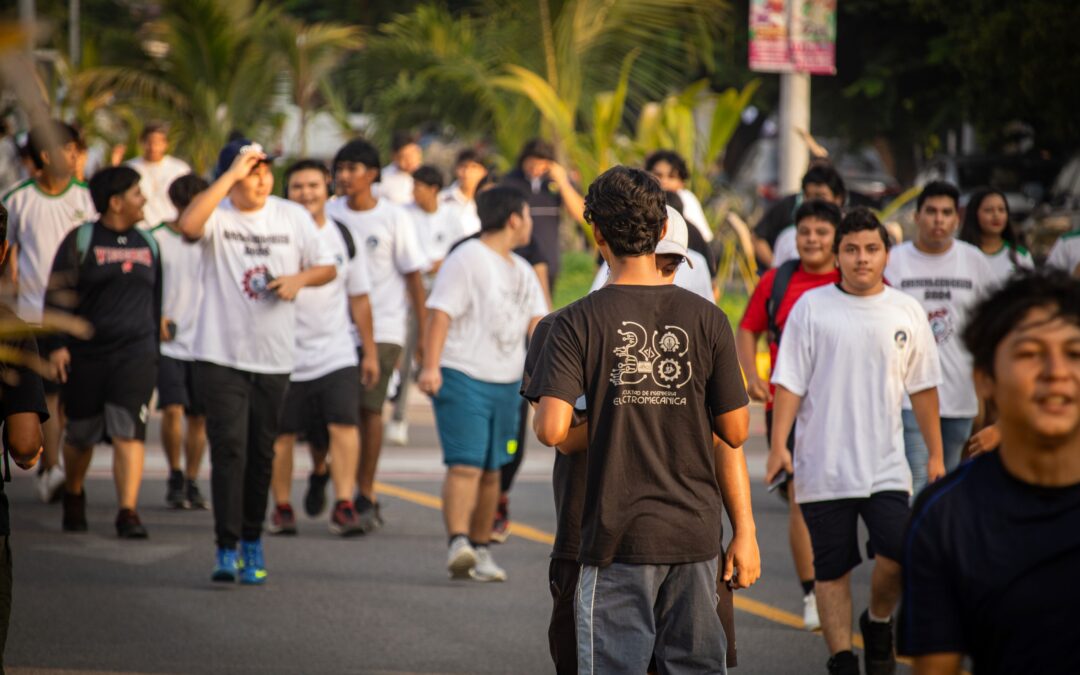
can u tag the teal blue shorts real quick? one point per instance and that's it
(477, 421)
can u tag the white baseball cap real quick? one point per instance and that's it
(677, 237)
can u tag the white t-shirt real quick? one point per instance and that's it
(852, 358)
(37, 223)
(437, 231)
(1002, 265)
(156, 179)
(695, 280)
(388, 237)
(395, 185)
(491, 301)
(241, 324)
(947, 286)
(785, 248)
(469, 220)
(1066, 253)
(181, 292)
(694, 214)
(324, 331)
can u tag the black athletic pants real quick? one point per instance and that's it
(242, 412)
(5, 597)
(509, 471)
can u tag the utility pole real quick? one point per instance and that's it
(28, 20)
(794, 115)
(74, 36)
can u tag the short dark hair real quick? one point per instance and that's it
(306, 165)
(674, 159)
(3, 222)
(402, 138)
(153, 128)
(971, 231)
(429, 175)
(993, 318)
(469, 155)
(820, 209)
(938, 188)
(183, 190)
(860, 219)
(358, 151)
(495, 206)
(538, 148)
(627, 206)
(109, 182)
(49, 136)
(825, 174)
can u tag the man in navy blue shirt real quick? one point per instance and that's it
(992, 550)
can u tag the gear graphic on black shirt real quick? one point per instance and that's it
(669, 370)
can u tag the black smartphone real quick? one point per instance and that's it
(170, 329)
(779, 480)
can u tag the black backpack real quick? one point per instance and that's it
(779, 288)
(350, 243)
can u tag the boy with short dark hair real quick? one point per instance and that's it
(484, 303)
(109, 273)
(658, 368)
(159, 170)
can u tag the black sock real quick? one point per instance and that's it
(478, 545)
(452, 537)
(807, 586)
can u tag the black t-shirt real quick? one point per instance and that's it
(21, 391)
(568, 475)
(116, 286)
(545, 206)
(990, 570)
(779, 216)
(657, 364)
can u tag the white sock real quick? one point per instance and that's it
(874, 619)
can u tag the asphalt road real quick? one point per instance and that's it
(378, 604)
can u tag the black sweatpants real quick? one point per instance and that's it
(5, 597)
(242, 410)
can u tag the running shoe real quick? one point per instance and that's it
(227, 566)
(315, 497)
(344, 522)
(878, 655)
(75, 512)
(367, 512)
(396, 432)
(128, 525)
(500, 530)
(461, 558)
(843, 663)
(174, 492)
(194, 497)
(282, 520)
(252, 563)
(50, 483)
(485, 568)
(810, 618)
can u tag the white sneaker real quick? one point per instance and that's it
(396, 432)
(809, 612)
(461, 558)
(49, 484)
(486, 569)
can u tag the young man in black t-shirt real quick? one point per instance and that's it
(108, 273)
(992, 550)
(658, 368)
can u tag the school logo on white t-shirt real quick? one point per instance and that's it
(256, 282)
(661, 359)
(941, 323)
(901, 338)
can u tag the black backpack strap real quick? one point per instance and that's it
(779, 288)
(350, 243)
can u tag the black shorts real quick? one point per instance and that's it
(174, 386)
(50, 386)
(106, 398)
(310, 406)
(768, 433)
(834, 530)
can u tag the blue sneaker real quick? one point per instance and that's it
(227, 565)
(252, 564)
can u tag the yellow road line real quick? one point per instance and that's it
(749, 605)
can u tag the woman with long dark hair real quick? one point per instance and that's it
(988, 225)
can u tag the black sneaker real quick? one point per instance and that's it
(843, 663)
(367, 514)
(194, 497)
(344, 522)
(174, 494)
(74, 512)
(128, 525)
(878, 655)
(315, 497)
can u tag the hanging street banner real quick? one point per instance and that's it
(789, 36)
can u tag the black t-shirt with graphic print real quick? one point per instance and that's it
(115, 285)
(657, 364)
(568, 474)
